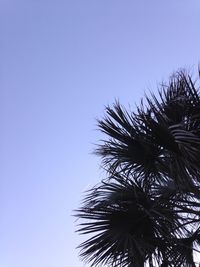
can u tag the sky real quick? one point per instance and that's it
(61, 63)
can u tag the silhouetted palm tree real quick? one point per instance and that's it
(147, 212)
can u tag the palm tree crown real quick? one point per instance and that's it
(147, 211)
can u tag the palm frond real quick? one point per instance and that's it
(129, 148)
(147, 211)
(129, 224)
(161, 138)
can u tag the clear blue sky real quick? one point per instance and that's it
(61, 62)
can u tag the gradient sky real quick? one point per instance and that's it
(61, 62)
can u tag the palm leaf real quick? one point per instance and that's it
(128, 224)
(147, 211)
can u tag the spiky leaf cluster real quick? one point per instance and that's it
(147, 212)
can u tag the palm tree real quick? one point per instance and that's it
(147, 211)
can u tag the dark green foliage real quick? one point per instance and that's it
(147, 212)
